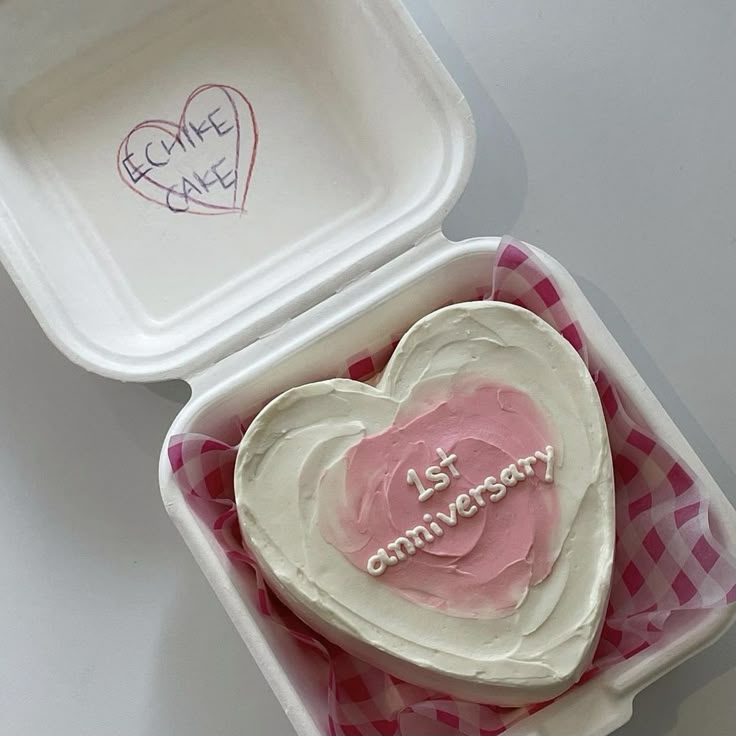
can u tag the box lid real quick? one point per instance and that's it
(176, 188)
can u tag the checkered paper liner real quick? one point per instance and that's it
(668, 556)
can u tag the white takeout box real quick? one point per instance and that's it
(364, 145)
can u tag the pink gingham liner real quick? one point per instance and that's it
(667, 556)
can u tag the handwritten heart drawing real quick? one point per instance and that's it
(453, 524)
(200, 165)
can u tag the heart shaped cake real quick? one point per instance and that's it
(453, 524)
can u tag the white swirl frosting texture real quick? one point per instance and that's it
(506, 606)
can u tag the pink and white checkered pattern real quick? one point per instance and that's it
(667, 555)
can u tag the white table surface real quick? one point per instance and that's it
(606, 135)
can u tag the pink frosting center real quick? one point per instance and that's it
(484, 565)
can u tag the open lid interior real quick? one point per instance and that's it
(177, 183)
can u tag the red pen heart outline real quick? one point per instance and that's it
(147, 186)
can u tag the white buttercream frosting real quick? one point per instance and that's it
(296, 486)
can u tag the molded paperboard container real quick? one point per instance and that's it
(352, 144)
